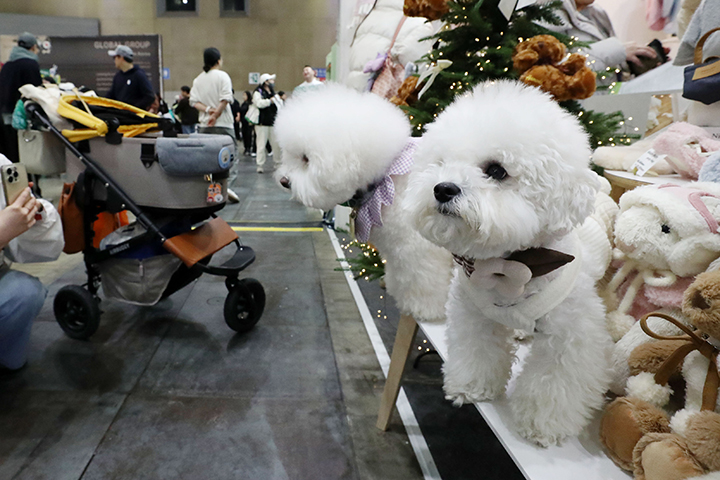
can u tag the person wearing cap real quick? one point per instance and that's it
(212, 95)
(263, 100)
(130, 84)
(21, 69)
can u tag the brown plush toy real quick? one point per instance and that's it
(407, 93)
(537, 59)
(430, 9)
(636, 433)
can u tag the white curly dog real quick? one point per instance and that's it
(340, 145)
(502, 180)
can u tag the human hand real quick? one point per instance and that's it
(211, 122)
(18, 217)
(633, 51)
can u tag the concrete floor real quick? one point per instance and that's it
(170, 392)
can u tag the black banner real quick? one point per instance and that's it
(84, 61)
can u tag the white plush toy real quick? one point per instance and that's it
(502, 181)
(341, 145)
(664, 236)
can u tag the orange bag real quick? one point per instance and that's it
(72, 222)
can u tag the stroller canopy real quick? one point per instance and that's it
(94, 113)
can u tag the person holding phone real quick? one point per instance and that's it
(30, 231)
(21, 295)
(590, 23)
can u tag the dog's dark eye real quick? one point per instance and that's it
(665, 229)
(305, 159)
(495, 171)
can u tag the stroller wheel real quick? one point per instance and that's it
(244, 305)
(77, 312)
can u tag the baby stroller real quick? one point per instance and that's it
(173, 186)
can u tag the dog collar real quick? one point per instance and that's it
(369, 213)
(540, 261)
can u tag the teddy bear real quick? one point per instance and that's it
(430, 9)
(664, 235)
(641, 437)
(537, 61)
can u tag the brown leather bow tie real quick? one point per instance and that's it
(540, 261)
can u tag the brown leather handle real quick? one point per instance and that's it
(699, 47)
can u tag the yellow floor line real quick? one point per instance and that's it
(277, 229)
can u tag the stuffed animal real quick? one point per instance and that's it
(504, 193)
(664, 236)
(408, 92)
(358, 149)
(636, 433)
(537, 60)
(430, 9)
(687, 148)
(622, 157)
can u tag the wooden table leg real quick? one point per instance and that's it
(407, 328)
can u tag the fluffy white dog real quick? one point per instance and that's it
(339, 145)
(501, 180)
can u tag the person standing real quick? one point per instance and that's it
(235, 107)
(263, 100)
(247, 130)
(187, 113)
(211, 95)
(22, 68)
(130, 84)
(310, 84)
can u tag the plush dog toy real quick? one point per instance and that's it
(537, 60)
(641, 437)
(664, 236)
(502, 180)
(341, 145)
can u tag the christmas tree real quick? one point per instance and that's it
(476, 44)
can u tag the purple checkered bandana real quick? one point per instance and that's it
(370, 213)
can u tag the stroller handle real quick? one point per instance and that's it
(36, 111)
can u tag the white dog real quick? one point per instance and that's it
(504, 171)
(339, 145)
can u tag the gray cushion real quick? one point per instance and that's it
(196, 154)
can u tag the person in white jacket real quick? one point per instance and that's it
(266, 100)
(590, 23)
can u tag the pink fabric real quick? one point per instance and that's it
(694, 199)
(654, 14)
(684, 158)
(650, 299)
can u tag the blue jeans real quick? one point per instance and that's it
(188, 129)
(21, 298)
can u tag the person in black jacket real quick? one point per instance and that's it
(248, 132)
(266, 101)
(22, 68)
(130, 84)
(187, 113)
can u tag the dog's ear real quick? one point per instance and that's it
(573, 200)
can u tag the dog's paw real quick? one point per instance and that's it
(460, 397)
(542, 439)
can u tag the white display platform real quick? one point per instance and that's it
(580, 458)
(650, 179)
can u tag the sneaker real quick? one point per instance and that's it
(260, 170)
(253, 154)
(232, 196)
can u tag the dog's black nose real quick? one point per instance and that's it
(285, 182)
(446, 191)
